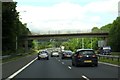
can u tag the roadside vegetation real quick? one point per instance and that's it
(109, 60)
(13, 30)
(15, 57)
(115, 53)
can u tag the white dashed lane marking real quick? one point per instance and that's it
(63, 63)
(84, 77)
(69, 67)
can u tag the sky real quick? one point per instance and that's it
(59, 15)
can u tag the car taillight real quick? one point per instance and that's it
(93, 55)
(79, 56)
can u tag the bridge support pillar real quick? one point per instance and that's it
(106, 41)
(26, 45)
(82, 43)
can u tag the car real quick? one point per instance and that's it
(55, 54)
(84, 57)
(67, 54)
(43, 55)
(107, 50)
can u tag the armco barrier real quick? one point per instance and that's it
(109, 57)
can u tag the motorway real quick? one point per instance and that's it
(55, 67)
(11, 67)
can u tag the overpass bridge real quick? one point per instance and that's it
(59, 36)
(63, 36)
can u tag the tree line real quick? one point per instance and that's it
(12, 29)
(114, 33)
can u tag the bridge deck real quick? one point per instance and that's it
(73, 35)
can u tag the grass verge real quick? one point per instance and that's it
(115, 61)
(12, 58)
(115, 53)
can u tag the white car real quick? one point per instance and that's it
(55, 54)
(43, 55)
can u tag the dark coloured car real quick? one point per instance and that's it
(104, 50)
(43, 55)
(84, 57)
(107, 50)
(67, 54)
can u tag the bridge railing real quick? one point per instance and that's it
(108, 57)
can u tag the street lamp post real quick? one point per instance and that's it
(91, 43)
(83, 43)
(16, 43)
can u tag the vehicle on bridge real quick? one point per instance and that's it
(84, 57)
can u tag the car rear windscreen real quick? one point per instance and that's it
(87, 52)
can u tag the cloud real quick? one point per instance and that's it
(102, 6)
(66, 15)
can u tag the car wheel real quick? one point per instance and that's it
(47, 58)
(76, 65)
(73, 64)
(96, 64)
(38, 58)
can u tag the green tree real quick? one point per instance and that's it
(66, 45)
(106, 28)
(114, 35)
(95, 29)
(9, 15)
(12, 28)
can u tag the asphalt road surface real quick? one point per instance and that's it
(55, 67)
(11, 67)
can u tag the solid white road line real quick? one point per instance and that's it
(109, 64)
(13, 75)
(69, 67)
(85, 77)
